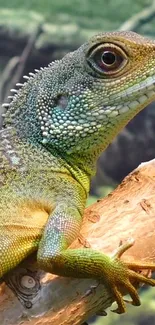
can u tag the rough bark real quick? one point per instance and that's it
(46, 299)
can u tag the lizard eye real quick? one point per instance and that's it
(107, 59)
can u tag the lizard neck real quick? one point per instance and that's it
(23, 156)
(79, 167)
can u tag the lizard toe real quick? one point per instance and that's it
(141, 278)
(120, 302)
(125, 277)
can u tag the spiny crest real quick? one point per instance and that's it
(20, 85)
(16, 91)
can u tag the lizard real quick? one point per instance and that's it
(56, 126)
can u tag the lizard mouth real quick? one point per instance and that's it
(136, 92)
(136, 96)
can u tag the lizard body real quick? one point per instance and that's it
(55, 128)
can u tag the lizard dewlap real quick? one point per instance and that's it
(54, 130)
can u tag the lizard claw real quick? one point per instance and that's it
(124, 275)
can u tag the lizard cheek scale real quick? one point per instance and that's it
(56, 126)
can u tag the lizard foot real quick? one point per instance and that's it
(124, 274)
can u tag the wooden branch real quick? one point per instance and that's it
(47, 299)
(139, 19)
(14, 69)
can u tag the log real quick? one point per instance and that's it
(30, 296)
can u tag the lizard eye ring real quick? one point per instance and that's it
(107, 59)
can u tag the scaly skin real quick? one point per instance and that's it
(56, 127)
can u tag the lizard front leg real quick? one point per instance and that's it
(54, 256)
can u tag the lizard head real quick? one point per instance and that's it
(78, 104)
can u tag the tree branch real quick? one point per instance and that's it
(47, 299)
(14, 69)
(139, 19)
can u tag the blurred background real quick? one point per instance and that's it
(36, 32)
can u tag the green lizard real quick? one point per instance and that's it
(55, 128)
